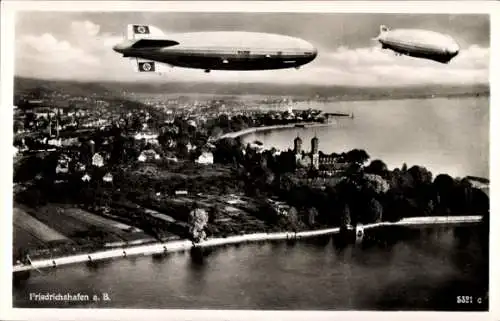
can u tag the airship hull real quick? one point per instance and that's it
(419, 44)
(418, 51)
(223, 50)
(226, 61)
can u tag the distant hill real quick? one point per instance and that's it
(343, 93)
(32, 85)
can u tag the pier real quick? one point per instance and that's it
(268, 128)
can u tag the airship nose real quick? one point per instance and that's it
(453, 49)
(311, 51)
(314, 52)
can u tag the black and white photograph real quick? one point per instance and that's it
(312, 161)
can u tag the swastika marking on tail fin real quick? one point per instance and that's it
(146, 66)
(141, 29)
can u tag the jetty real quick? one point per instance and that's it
(252, 130)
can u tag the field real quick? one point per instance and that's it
(24, 240)
(124, 231)
(36, 228)
(77, 228)
(30, 233)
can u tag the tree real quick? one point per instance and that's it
(27, 169)
(358, 156)
(136, 124)
(444, 185)
(287, 182)
(376, 210)
(182, 151)
(312, 214)
(293, 218)
(420, 175)
(444, 182)
(376, 183)
(376, 167)
(345, 220)
(216, 132)
(198, 219)
(213, 214)
(480, 202)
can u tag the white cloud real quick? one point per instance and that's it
(84, 28)
(47, 49)
(89, 55)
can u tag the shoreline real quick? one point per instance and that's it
(183, 245)
(303, 125)
(252, 130)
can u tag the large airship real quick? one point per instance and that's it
(419, 43)
(150, 50)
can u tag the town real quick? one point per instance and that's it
(95, 170)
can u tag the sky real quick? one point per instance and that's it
(77, 46)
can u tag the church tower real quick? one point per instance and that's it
(297, 148)
(314, 145)
(297, 145)
(315, 152)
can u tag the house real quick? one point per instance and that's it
(62, 169)
(86, 178)
(205, 158)
(55, 142)
(148, 155)
(148, 137)
(108, 178)
(80, 167)
(478, 182)
(97, 160)
(70, 141)
(280, 207)
(64, 159)
(190, 147)
(330, 167)
(258, 148)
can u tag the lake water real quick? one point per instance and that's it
(415, 269)
(446, 135)
(421, 269)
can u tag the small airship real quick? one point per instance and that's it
(149, 48)
(419, 43)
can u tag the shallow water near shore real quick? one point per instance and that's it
(396, 268)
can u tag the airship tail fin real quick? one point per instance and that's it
(147, 66)
(135, 32)
(384, 28)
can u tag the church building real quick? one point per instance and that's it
(326, 164)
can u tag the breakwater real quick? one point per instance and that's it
(252, 130)
(183, 245)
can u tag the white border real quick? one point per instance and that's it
(261, 6)
(7, 62)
